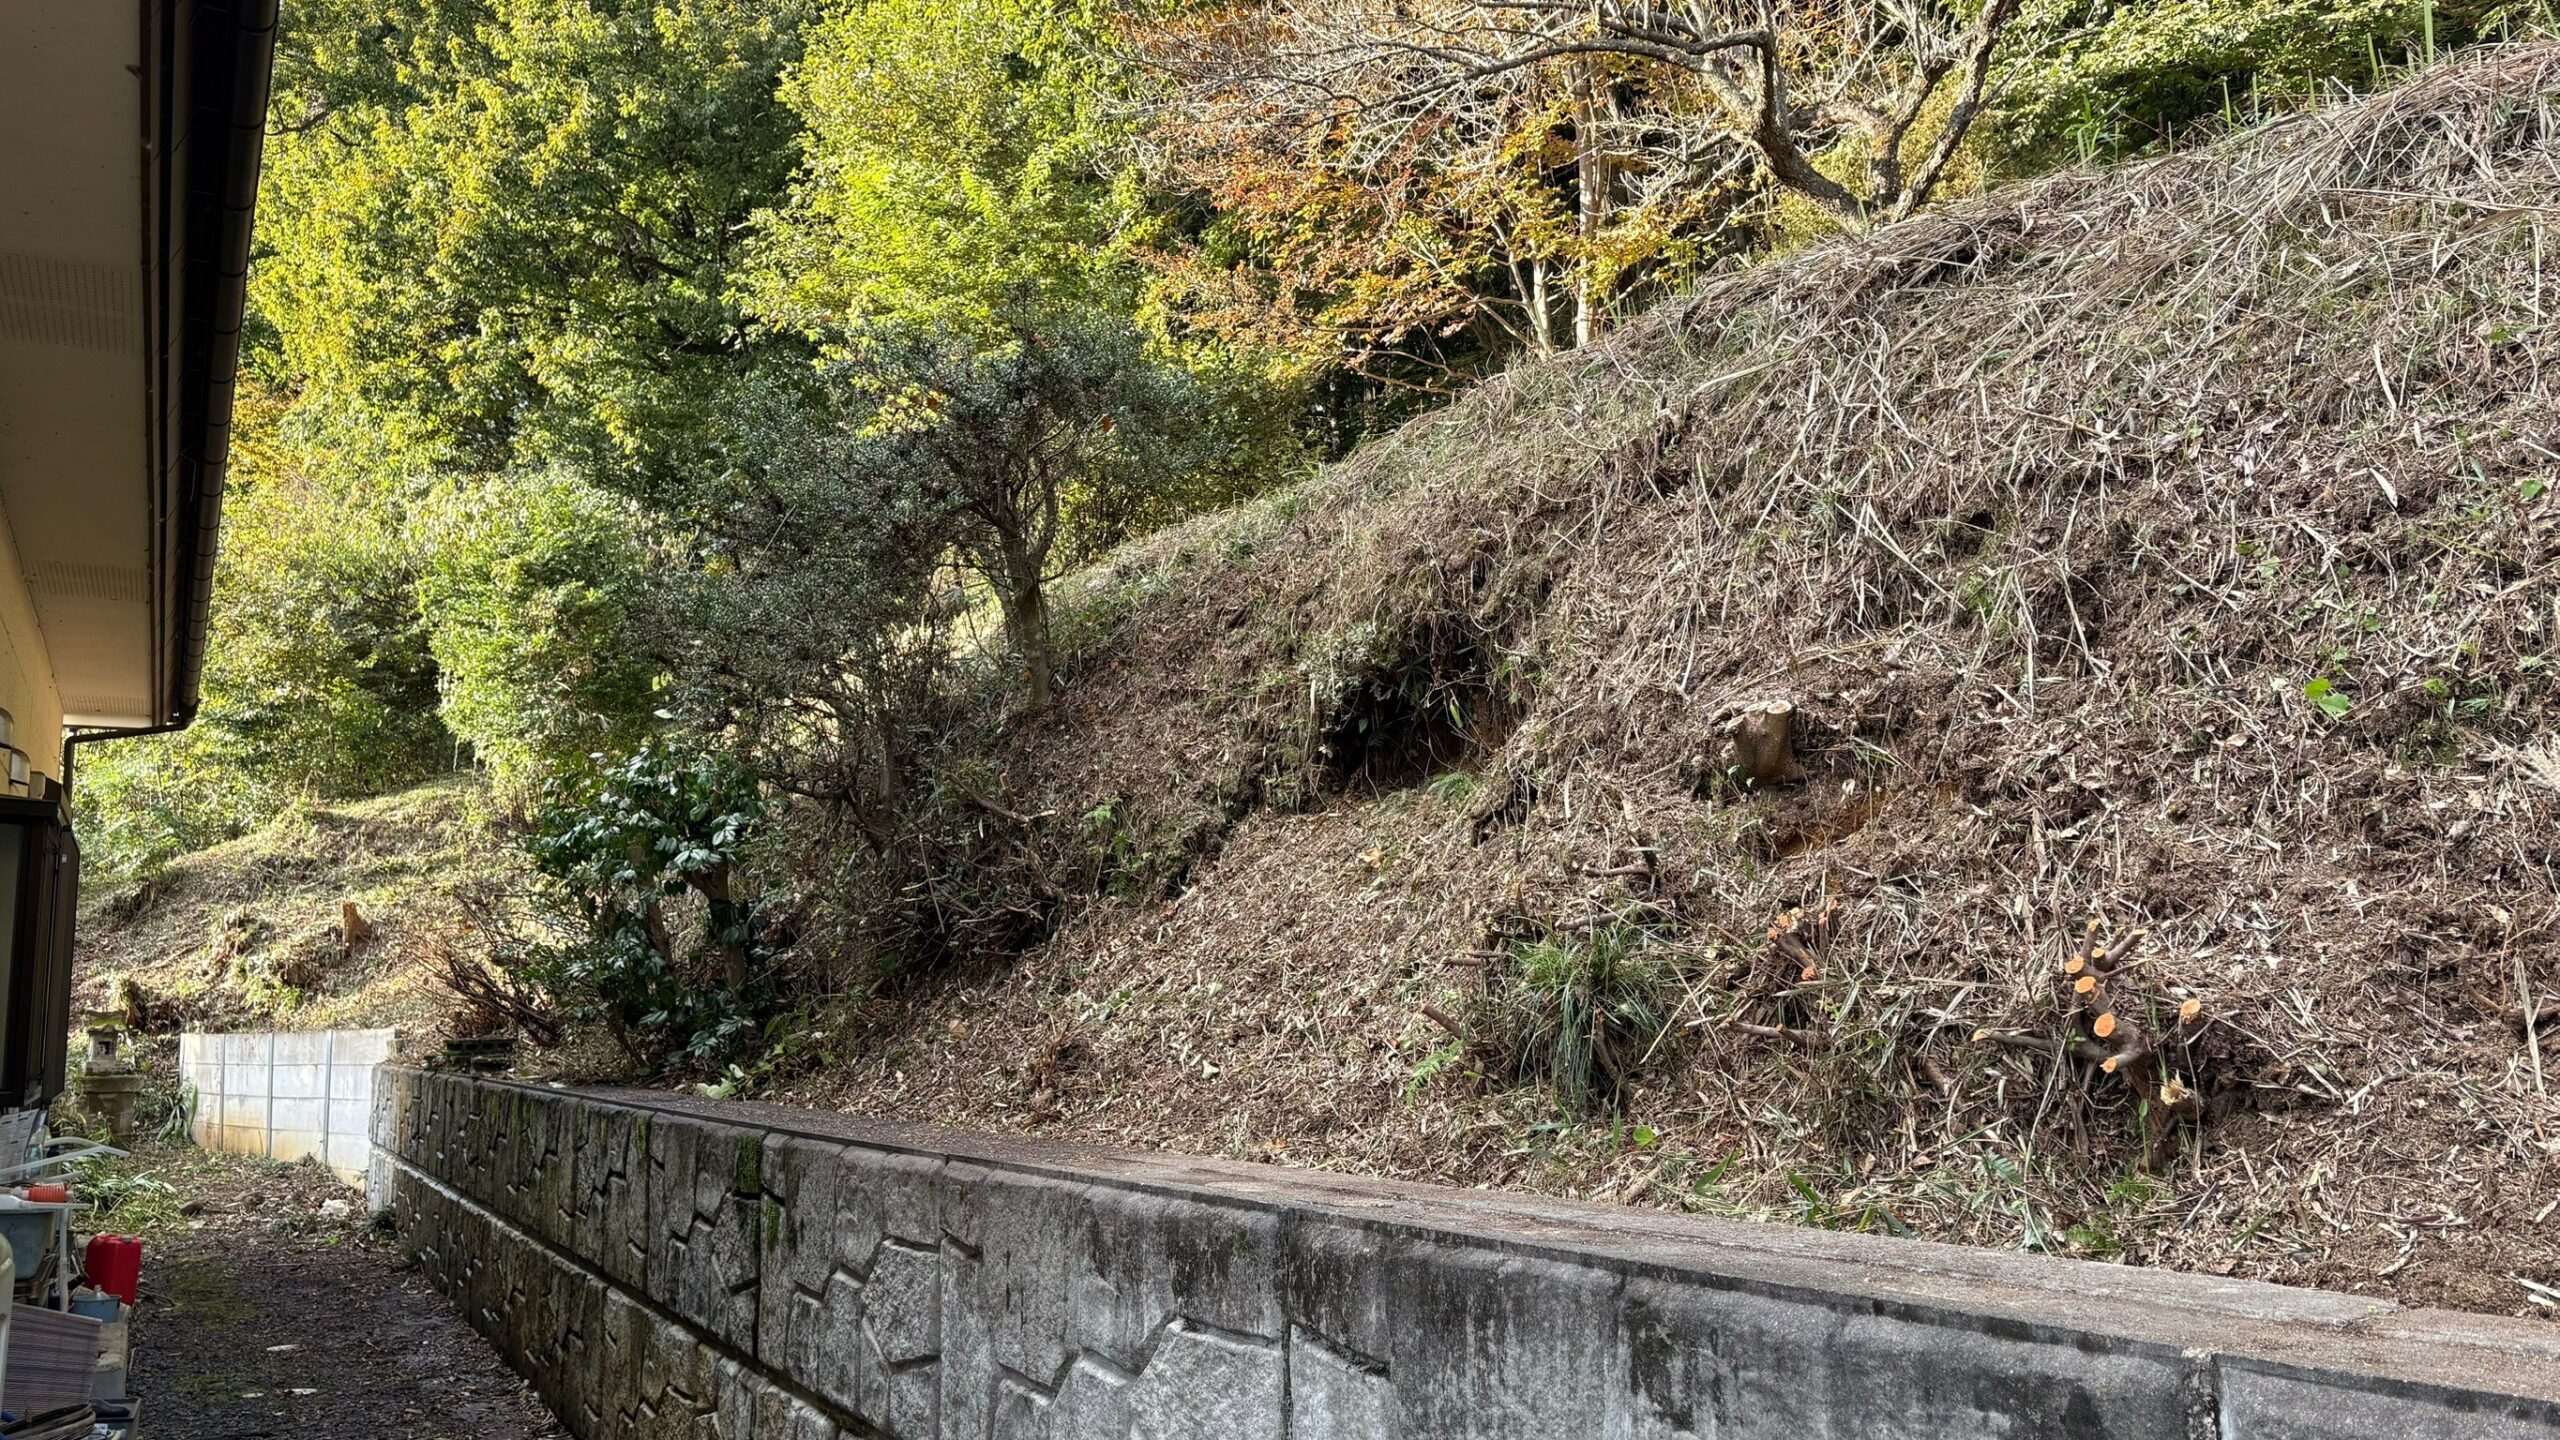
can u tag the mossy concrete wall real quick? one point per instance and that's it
(668, 1267)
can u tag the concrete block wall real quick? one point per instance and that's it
(287, 1095)
(661, 1266)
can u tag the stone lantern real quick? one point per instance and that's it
(109, 1087)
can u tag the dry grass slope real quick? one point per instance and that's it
(246, 935)
(2167, 551)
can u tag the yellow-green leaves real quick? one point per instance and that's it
(960, 160)
(504, 232)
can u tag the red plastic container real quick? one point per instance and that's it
(113, 1263)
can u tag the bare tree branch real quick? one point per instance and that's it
(1377, 74)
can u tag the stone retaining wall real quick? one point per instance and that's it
(662, 1267)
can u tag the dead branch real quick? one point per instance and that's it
(499, 996)
(1446, 1021)
(1802, 1038)
(2543, 1014)
(1374, 77)
(2087, 1051)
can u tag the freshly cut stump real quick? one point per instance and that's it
(1764, 750)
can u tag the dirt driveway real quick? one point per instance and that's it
(267, 1311)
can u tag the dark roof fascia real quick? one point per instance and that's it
(215, 62)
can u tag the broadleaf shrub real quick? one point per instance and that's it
(643, 921)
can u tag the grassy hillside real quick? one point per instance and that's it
(246, 935)
(2158, 562)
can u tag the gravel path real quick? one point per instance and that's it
(266, 1311)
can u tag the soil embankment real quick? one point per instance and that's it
(2161, 568)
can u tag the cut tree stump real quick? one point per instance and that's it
(1764, 750)
(353, 928)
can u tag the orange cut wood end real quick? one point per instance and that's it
(2074, 965)
(2108, 1064)
(2106, 1025)
(2188, 1012)
(2085, 984)
(1811, 972)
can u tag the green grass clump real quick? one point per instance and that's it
(1580, 1014)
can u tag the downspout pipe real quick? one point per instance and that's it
(72, 742)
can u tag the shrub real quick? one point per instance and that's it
(318, 678)
(1577, 1014)
(642, 921)
(530, 584)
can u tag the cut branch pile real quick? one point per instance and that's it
(495, 1002)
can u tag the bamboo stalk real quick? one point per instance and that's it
(2532, 1032)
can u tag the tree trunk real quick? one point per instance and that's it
(1592, 200)
(1542, 314)
(1026, 621)
(653, 915)
(725, 917)
(885, 780)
